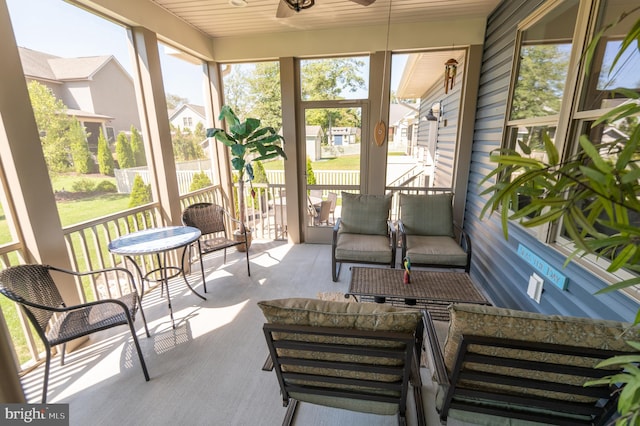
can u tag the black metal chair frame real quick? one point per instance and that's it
(336, 264)
(462, 238)
(549, 407)
(202, 216)
(69, 322)
(301, 339)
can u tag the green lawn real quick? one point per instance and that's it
(346, 162)
(77, 211)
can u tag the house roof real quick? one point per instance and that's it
(397, 112)
(40, 65)
(313, 130)
(197, 109)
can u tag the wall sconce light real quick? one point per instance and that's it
(450, 71)
(238, 3)
(430, 116)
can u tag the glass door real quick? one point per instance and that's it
(333, 135)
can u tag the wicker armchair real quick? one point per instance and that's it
(32, 287)
(210, 219)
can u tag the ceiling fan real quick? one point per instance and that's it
(287, 8)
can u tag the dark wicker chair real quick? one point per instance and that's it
(33, 288)
(210, 219)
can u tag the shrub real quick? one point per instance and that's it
(124, 154)
(200, 180)
(83, 185)
(311, 178)
(137, 147)
(140, 193)
(106, 186)
(105, 158)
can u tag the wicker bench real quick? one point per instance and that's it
(354, 356)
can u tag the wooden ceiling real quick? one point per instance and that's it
(217, 18)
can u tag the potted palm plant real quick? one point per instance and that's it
(248, 142)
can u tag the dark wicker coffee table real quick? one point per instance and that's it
(432, 290)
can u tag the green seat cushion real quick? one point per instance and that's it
(365, 214)
(435, 251)
(363, 248)
(430, 214)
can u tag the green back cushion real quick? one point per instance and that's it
(481, 320)
(430, 214)
(365, 214)
(326, 313)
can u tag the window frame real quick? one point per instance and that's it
(569, 122)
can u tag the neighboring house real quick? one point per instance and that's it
(402, 119)
(313, 139)
(343, 135)
(97, 90)
(187, 116)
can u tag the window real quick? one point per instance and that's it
(551, 97)
(599, 87)
(96, 93)
(183, 77)
(539, 84)
(349, 78)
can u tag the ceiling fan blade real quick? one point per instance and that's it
(284, 11)
(364, 2)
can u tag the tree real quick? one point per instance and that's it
(259, 174)
(541, 78)
(174, 101)
(58, 131)
(265, 97)
(327, 78)
(105, 158)
(140, 193)
(185, 145)
(137, 147)
(124, 154)
(311, 177)
(80, 154)
(200, 180)
(255, 90)
(238, 89)
(199, 132)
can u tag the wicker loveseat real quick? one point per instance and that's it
(354, 356)
(508, 367)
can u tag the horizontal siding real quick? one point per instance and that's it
(496, 265)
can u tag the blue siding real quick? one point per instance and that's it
(496, 265)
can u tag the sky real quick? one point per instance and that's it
(44, 25)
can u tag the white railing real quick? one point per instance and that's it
(87, 244)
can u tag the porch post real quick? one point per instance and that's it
(152, 107)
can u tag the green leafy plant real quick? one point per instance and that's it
(595, 192)
(248, 142)
(200, 180)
